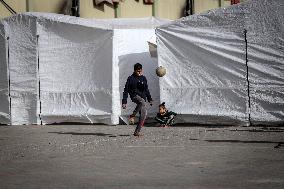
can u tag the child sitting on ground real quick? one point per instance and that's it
(165, 117)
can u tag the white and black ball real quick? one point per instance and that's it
(161, 71)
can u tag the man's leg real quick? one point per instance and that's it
(137, 109)
(137, 100)
(141, 107)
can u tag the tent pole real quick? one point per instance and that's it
(38, 76)
(247, 77)
(9, 79)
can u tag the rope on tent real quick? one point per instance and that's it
(8, 7)
(247, 76)
(38, 76)
(9, 79)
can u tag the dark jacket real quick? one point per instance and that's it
(163, 119)
(136, 85)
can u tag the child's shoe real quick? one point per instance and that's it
(131, 120)
(164, 125)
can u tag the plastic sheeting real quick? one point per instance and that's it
(68, 69)
(4, 96)
(265, 26)
(21, 31)
(76, 81)
(208, 53)
(121, 23)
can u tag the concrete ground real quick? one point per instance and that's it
(96, 156)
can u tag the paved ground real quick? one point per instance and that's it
(88, 156)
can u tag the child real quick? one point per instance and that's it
(165, 117)
(137, 88)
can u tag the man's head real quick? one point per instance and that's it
(138, 69)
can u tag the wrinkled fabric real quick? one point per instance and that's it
(76, 81)
(68, 69)
(205, 58)
(21, 30)
(4, 96)
(265, 26)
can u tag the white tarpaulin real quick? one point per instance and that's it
(21, 31)
(265, 26)
(68, 69)
(77, 78)
(225, 65)
(4, 96)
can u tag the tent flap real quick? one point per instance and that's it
(265, 36)
(230, 63)
(4, 98)
(68, 69)
(75, 64)
(21, 31)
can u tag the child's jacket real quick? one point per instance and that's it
(163, 119)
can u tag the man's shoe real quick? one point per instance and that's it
(138, 134)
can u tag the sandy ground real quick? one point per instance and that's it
(96, 156)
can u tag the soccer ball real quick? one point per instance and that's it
(161, 71)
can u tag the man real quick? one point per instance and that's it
(137, 88)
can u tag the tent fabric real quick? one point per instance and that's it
(266, 60)
(68, 69)
(4, 93)
(230, 64)
(117, 23)
(76, 79)
(22, 69)
(223, 67)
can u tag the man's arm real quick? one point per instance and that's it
(148, 95)
(125, 92)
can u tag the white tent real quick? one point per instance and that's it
(57, 68)
(4, 100)
(227, 64)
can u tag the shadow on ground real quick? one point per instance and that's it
(279, 144)
(263, 129)
(94, 134)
